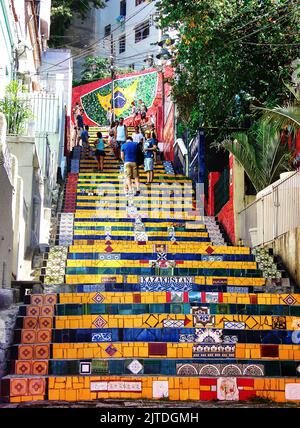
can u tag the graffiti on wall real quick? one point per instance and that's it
(126, 90)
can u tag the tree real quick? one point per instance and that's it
(230, 53)
(62, 13)
(16, 109)
(283, 117)
(96, 68)
(260, 152)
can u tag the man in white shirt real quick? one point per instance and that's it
(121, 135)
(137, 136)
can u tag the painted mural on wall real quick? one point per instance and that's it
(127, 89)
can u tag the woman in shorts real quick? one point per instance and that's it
(100, 153)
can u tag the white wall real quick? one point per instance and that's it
(7, 43)
(135, 52)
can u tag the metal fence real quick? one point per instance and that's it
(45, 110)
(274, 213)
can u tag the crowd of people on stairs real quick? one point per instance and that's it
(139, 149)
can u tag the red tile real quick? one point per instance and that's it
(40, 367)
(157, 349)
(136, 297)
(30, 323)
(209, 250)
(168, 296)
(33, 310)
(50, 299)
(253, 299)
(41, 352)
(185, 297)
(36, 386)
(220, 297)
(208, 395)
(246, 395)
(23, 367)
(26, 352)
(36, 299)
(44, 336)
(18, 387)
(245, 382)
(28, 336)
(47, 310)
(269, 351)
(45, 322)
(207, 381)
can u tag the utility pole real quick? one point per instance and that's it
(112, 69)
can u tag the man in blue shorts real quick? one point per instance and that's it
(129, 157)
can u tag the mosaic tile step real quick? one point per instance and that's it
(97, 307)
(202, 352)
(197, 319)
(167, 367)
(236, 332)
(197, 248)
(80, 388)
(171, 297)
(146, 306)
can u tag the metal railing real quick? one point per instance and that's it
(180, 157)
(275, 212)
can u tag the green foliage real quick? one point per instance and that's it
(15, 109)
(230, 53)
(260, 152)
(62, 13)
(287, 116)
(96, 68)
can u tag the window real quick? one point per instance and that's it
(122, 44)
(142, 31)
(123, 7)
(107, 30)
(138, 2)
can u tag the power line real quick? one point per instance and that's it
(259, 30)
(256, 19)
(97, 41)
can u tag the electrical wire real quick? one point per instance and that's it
(259, 30)
(97, 41)
(256, 19)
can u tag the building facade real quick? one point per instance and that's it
(124, 28)
(31, 157)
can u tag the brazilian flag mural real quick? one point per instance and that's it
(127, 89)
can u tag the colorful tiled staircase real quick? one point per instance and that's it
(142, 301)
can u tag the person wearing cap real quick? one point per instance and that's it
(149, 149)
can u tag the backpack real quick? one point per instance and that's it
(139, 155)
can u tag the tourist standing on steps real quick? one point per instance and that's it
(154, 136)
(85, 140)
(121, 135)
(100, 153)
(134, 113)
(137, 136)
(80, 124)
(129, 157)
(149, 149)
(76, 111)
(108, 116)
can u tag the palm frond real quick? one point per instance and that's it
(281, 117)
(243, 152)
(294, 91)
